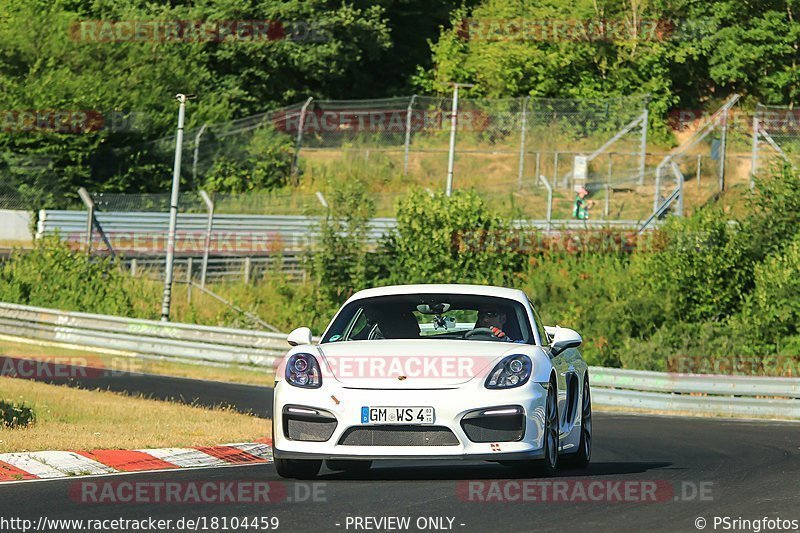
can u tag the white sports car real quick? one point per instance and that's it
(432, 372)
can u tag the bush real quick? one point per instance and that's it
(455, 239)
(339, 261)
(16, 416)
(54, 275)
(265, 162)
(774, 309)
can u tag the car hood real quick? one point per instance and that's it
(411, 364)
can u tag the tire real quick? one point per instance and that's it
(348, 465)
(548, 466)
(583, 456)
(297, 468)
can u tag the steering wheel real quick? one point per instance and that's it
(479, 331)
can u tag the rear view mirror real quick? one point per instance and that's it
(563, 339)
(299, 336)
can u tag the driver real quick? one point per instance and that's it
(493, 319)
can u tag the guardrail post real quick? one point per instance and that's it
(189, 269)
(408, 134)
(247, 267)
(134, 268)
(207, 244)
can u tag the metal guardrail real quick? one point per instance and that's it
(145, 337)
(718, 395)
(294, 232)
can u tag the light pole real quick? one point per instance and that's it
(453, 123)
(173, 209)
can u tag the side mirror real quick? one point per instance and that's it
(299, 336)
(563, 339)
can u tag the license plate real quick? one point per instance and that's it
(397, 415)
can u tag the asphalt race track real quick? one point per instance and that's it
(702, 467)
(243, 398)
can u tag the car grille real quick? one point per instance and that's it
(310, 428)
(502, 428)
(399, 436)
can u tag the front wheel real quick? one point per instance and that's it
(583, 456)
(548, 466)
(297, 468)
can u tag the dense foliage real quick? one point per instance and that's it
(703, 293)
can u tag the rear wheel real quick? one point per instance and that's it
(297, 468)
(348, 465)
(583, 456)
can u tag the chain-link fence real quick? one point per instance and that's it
(776, 137)
(504, 148)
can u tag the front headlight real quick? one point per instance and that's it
(302, 370)
(513, 371)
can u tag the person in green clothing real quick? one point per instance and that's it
(580, 208)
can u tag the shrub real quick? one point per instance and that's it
(455, 239)
(16, 416)
(339, 261)
(54, 275)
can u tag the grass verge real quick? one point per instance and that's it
(126, 363)
(74, 419)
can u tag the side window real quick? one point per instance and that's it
(540, 325)
(359, 328)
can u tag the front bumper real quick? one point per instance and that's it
(450, 406)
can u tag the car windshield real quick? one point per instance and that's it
(431, 316)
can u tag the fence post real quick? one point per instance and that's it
(555, 169)
(538, 161)
(522, 140)
(408, 134)
(549, 201)
(207, 243)
(608, 194)
(299, 140)
(197, 152)
(723, 149)
(133, 267)
(89, 203)
(699, 166)
(643, 146)
(657, 189)
(754, 152)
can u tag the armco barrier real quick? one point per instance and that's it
(719, 395)
(295, 232)
(146, 337)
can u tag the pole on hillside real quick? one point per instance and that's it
(173, 209)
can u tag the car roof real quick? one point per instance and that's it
(445, 288)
